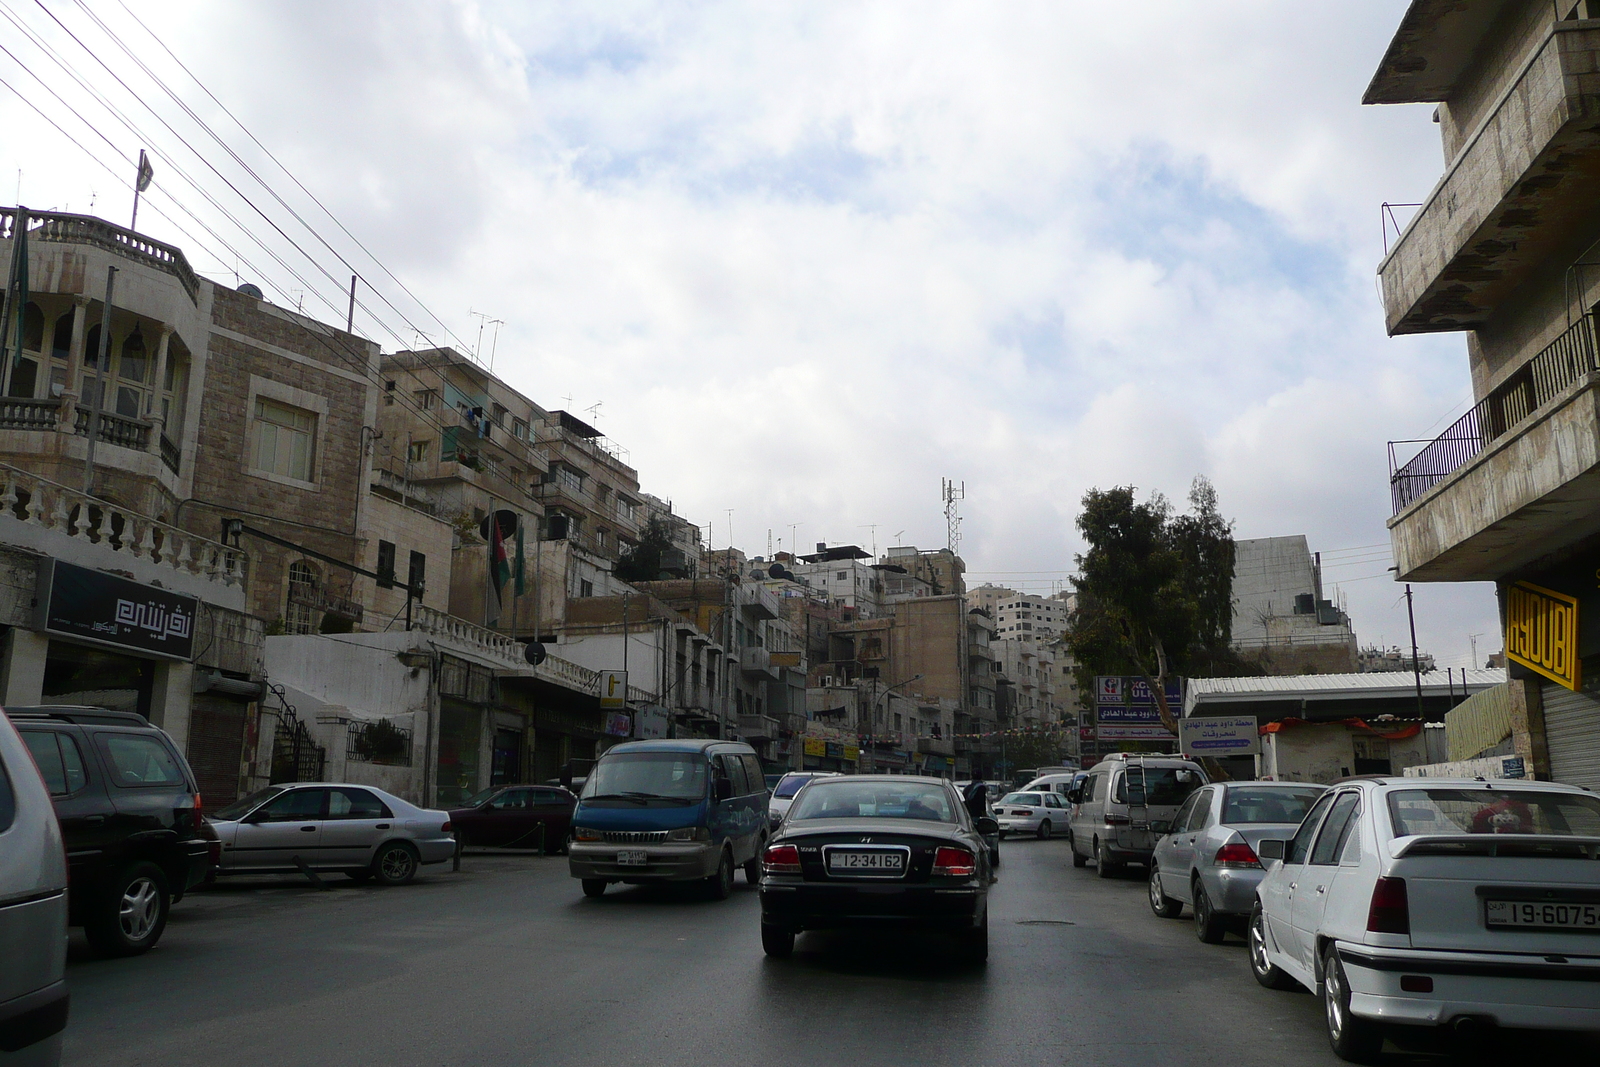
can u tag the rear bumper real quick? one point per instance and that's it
(1020, 824)
(1232, 889)
(436, 850)
(663, 862)
(33, 1017)
(1512, 990)
(812, 906)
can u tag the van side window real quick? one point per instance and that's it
(757, 777)
(60, 762)
(1102, 783)
(732, 768)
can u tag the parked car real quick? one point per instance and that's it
(33, 911)
(517, 816)
(1206, 858)
(1118, 800)
(1058, 782)
(670, 811)
(1037, 813)
(130, 813)
(357, 830)
(783, 793)
(1436, 902)
(877, 851)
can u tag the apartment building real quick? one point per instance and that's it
(1021, 617)
(1501, 250)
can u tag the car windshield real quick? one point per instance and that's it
(244, 805)
(1156, 785)
(842, 799)
(791, 784)
(674, 775)
(1022, 798)
(1493, 811)
(1249, 805)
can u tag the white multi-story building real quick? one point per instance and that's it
(1031, 618)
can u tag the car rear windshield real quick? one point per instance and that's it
(1446, 811)
(791, 785)
(838, 799)
(1248, 805)
(1156, 785)
(140, 760)
(1022, 798)
(680, 775)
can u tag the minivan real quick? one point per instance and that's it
(684, 810)
(1124, 804)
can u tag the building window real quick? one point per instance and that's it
(417, 575)
(385, 564)
(427, 399)
(519, 429)
(585, 587)
(284, 439)
(301, 618)
(417, 451)
(570, 478)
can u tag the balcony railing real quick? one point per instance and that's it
(17, 413)
(170, 455)
(116, 429)
(55, 226)
(1566, 360)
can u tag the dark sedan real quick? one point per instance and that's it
(884, 851)
(517, 816)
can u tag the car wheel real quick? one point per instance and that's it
(1044, 830)
(395, 864)
(1208, 925)
(594, 887)
(1355, 1039)
(1102, 860)
(777, 941)
(1078, 859)
(994, 857)
(977, 942)
(1164, 906)
(130, 913)
(1266, 972)
(720, 885)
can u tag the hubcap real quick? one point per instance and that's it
(1333, 994)
(1155, 888)
(396, 863)
(1258, 945)
(141, 904)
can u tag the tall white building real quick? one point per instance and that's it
(1022, 617)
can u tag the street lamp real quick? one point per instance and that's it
(877, 704)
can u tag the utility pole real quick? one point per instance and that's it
(350, 316)
(1416, 663)
(99, 389)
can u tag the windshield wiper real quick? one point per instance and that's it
(634, 795)
(638, 798)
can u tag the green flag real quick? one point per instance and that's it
(521, 586)
(499, 568)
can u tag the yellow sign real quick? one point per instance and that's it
(1542, 632)
(852, 753)
(613, 690)
(816, 746)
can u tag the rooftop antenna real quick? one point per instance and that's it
(769, 542)
(874, 528)
(594, 412)
(730, 528)
(953, 495)
(897, 536)
(1472, 639)
(568, 399)
(794, 542)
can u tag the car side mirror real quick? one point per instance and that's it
(987, 827)
(1075, 796)
(721, 789)
(1270, 850)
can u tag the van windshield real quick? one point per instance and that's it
(1162, 786)
(645, 776)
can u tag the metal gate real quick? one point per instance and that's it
(216, 745)
(296, 757)
(1572, 730)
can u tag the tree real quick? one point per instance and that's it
(641, 562)
(1155, 590)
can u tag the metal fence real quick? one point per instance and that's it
(379, 741)
(1564, 361)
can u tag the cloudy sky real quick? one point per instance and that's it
(809, 259)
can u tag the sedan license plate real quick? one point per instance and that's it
(1548, 915)
(633, 858)
(867, 862)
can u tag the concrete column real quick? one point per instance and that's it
(22, 667)
(1527, 727)
(171, 698)
(152, 407)
(70, 395)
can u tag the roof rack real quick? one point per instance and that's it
(83, 715)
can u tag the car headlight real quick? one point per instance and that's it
(689, 833)
(584, 833)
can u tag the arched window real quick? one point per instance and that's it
(32, 328)
(135, 365)
(61, 343)
(91, 346)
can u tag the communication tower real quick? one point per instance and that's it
(953, 495)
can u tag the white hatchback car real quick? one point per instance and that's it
(1434, 902)
(1037, 813)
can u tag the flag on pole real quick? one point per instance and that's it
(146, 172)
(499, 567)
(521, 584)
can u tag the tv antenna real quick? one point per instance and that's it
(874, 528)
(594, 412)
(494, 340)
(953, 495)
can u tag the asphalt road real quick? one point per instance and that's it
(507, 963)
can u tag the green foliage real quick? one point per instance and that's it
(642, 562)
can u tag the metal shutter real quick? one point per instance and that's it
(216, 745)
(1572, 729)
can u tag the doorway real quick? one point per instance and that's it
(505, 765)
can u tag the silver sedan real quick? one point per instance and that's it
(1207, 859)
(358, 830)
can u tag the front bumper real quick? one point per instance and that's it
(663, 862)
(798, 905)
(1512, 989)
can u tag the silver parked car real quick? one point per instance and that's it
(1207, 859)
(783, 793)
(355, 829)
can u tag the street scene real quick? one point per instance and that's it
(817, 533)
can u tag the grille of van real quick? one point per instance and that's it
(635, 837)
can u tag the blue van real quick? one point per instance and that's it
(670, 811)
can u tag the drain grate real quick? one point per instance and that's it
(1045, 922)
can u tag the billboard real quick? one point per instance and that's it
(1221, 736)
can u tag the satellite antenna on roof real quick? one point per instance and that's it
(594, 412)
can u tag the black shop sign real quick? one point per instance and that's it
(92, 606)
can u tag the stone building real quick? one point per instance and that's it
(1281, 621)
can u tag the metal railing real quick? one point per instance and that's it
(56, 226)
(1566, 360)
(378, 741)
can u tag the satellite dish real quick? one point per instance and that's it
(252, 289)
(789, 575)
(534, 653)
(775, 571)
(508, 524)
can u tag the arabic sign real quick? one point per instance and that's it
(613, 690)
(650, 722)
(1221, 736)
(1135, 733)
(92, 606)
(1131, 715)
(619, 724)
(1131, 701)
(816, 746)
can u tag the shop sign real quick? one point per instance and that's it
(1135, 733)
(1221, 736)
(1129, 715)
(650, 722)
(613, 690)
(89, 605)
(834, 749)
(1108, 690)
(619, 724)
(816, 746)
(852, 753)
(1542, 632)
(1139, 692)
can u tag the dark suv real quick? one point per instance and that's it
(130, 815)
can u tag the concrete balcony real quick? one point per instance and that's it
(758, 727)
(758, 602)
(934, 746)
(1523, 184)
(757, 663)
(1517, 478)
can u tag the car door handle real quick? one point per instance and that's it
(94, 818)
(381, 826)
(1319, 888)
(308, 829)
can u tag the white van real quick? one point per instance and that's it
(1058, 782)
(1123, 805)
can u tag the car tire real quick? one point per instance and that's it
(1209, 927)
(1044, 830)
(1104, 867)
(594, 887)
(1352, 1038)
(720, 885)
(395, 864)
(976, 943)
(1267, 973)
(994, 857)
(777, 941)
(1164, 906)
(130, 911)
(1078, 859)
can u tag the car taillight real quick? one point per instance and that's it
(1115, 820)
(445, 828)
(957, 862)
(199, 812)
(1390, 911)
(781, 859)
(1237, 854)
